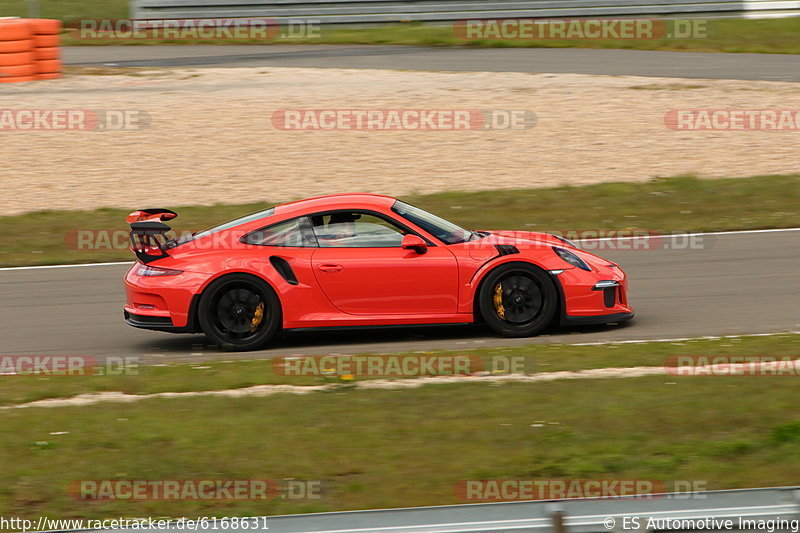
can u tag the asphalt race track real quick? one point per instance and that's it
(719, 284)
(768, 67)
(727, 284)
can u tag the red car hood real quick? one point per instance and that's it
(528, 239)
(524, 237)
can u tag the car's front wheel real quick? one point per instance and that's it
(518, 300)
(239, 312)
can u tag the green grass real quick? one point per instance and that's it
(725, 35)
(68, 11)
(380, 448)
(664, 205)
(384, 448)
(218, 375)
(778, 36)
(729, 35)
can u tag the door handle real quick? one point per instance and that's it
(330, 268)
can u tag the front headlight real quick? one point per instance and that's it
(562, 239)
(571, 258)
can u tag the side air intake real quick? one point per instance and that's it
(284, 269)
(506, 249)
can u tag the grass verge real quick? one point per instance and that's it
(680, 204)
(381, 448)
(725, 35)
(68, 11)
(533, 358)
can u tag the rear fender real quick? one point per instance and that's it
(297, 290)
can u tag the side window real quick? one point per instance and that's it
(296, 232)
(355, 230)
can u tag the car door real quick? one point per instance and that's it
(363, 270)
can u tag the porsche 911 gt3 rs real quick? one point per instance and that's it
(359, 260)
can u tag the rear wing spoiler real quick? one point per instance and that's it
(147, 233)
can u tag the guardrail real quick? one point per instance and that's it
(696, 511)
(389, 11)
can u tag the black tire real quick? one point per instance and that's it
(527, 301)
(228, 312)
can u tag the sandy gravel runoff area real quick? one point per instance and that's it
(211, 136)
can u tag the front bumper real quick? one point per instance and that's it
(596, 297)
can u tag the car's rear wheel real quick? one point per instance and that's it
(518, 300)
(239, 312)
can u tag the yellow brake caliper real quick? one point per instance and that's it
(257, 317)
(498, 301)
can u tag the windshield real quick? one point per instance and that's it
(442, 229)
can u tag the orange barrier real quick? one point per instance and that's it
(45, 26)
(30, 49)
(15, 29)
(17, 58)
(16, 71)
(11, 47)
(46, 41)
(48, 66)
(50, 52)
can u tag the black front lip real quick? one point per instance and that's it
(567, 320)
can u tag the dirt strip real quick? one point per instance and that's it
(207, 136)
(257, 391)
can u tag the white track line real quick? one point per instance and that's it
(676, 235)
(78, 265)
(664, 236)
(598, 343)
(682, 339)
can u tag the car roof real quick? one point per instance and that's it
(307, 206)
(335, 201)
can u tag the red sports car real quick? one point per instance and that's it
(359, 260)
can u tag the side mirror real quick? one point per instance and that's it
(414, 242)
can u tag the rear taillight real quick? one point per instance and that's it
(151, 271)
